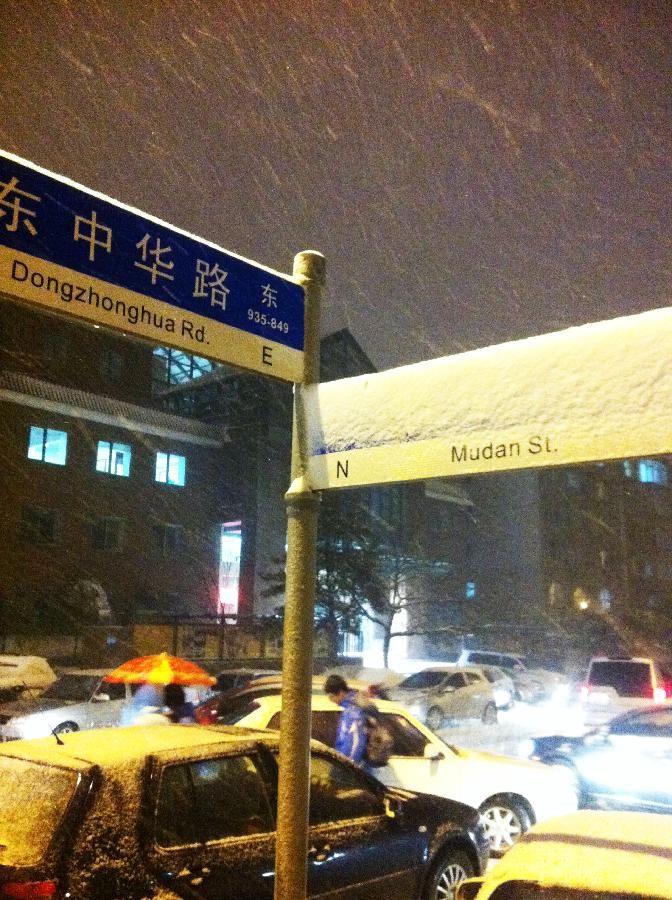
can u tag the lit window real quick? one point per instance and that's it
(176, 367)
(47, 445)
(170, 468)
(114, 459)
(470, 590)
(652, 471)
(229, 568)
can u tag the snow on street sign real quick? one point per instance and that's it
(70, 250)
(596, 392)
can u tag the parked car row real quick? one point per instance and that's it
(511, 794)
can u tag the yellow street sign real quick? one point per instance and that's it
(595, 392)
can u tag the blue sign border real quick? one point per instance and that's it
(249, 297)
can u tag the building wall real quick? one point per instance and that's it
(145, 570)
(506, 553)
(608, 536)
(74, 355)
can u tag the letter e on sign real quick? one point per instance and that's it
(267, 355)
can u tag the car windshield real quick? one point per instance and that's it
(629, 679)
(426, 679)
(33, 800)
(72, 687)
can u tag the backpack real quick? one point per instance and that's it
(379, 742)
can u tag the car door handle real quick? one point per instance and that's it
(320, 854)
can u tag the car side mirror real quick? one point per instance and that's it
(100, 698)
(468, 889)
(394, 807)
(432, 752)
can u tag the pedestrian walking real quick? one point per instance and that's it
(351, 736)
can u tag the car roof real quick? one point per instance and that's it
(116, 746)
(622, 659)
(88, 673)
(260, 673)
(322, 702)
(612, 851)
(452, 668)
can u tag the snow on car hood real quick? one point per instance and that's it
(525, 768)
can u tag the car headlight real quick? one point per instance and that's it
(29, 728)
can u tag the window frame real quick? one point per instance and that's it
(159, 769)
(182, 468)
(27, 532)
(105, 546)
(43, 445)
(109, 470)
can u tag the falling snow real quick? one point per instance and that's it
(472, 172)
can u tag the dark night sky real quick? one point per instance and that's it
(473, 171)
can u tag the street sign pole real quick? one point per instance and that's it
(297, 655)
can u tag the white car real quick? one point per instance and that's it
(617, 685)
(78, 700)
(532, 684)
(589, 854)
(440, 695)
(511, 794)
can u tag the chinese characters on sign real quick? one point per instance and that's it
(64, 246)
(14, 204)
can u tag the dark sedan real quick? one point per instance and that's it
(178, 811)
(626, 764)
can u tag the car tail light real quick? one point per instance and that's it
(659, 694)
(26, 890)
(205, 715)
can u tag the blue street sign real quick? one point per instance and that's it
(74, 251)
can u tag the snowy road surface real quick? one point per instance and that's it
(514, 726)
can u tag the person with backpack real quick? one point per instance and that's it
(351, 734)
(361, 733)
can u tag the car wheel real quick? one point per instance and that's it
(489, 716)
(435, 718)
(505, 821)
(66, 728)
(449, 871)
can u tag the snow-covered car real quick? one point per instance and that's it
(180, 811)
(532, 684)
(24, 676)
(78, 700)
(441, 695)
(383, 678)
(234, 679)
(510, 793)
(589, 854)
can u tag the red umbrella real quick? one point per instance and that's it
(161, 668)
